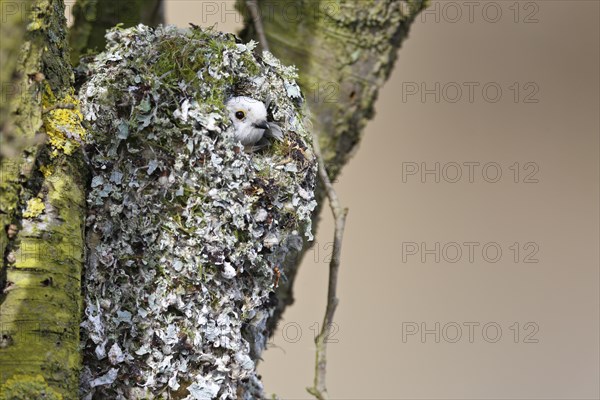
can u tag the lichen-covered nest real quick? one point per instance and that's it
(185, 228)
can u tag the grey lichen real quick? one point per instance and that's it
(184, 227)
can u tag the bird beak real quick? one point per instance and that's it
(261, 124)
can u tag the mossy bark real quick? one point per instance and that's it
(42, 212)
(94, 17)
(345, 51)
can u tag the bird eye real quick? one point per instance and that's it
(240, 115)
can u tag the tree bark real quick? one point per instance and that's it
(12, 30)
(344, 51)
(42, 211)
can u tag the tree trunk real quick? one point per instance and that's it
(42, 212)
(12, 30)
(94, 17)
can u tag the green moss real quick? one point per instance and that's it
(25, 387)
(178, 61)
(9, 173)
(250, 64)
(41, 313)
(51, 255)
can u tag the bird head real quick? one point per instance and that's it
(249, 117)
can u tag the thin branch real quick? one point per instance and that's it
(257, 21)
(319, 389)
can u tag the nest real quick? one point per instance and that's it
(184, 227)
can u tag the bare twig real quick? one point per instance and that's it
(319, 389)
(257, 21)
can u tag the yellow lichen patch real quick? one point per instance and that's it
(35, 207)
(34, 26)
(28, 387)
(47, 170)
(62, 121)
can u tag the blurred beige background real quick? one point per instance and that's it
(542, 214)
